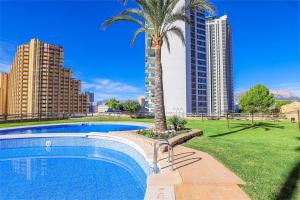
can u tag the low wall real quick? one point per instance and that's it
(182, 138)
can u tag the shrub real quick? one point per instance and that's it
(148, 133)
(178, 122)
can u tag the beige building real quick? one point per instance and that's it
(38, 82)
(102, 108)
(3, 93)
(291, 110)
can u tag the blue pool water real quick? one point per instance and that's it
(73, 128)
(72, 172)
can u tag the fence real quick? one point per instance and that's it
(39, 116)
(200, 116)
(237, 116)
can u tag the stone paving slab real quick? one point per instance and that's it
(160, 192)
(167, 178)
(204, 178)
(209, 192)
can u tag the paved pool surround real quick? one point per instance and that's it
(196, 174)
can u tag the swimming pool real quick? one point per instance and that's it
(73, 128)
(71, 168)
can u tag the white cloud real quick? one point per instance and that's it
(106, 88)
(4, 67)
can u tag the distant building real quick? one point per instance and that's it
(102, 108)
(91, 96)
(38, 82)
(219, 66)
(142, 101)
(91, 99)
(93, 107)
(184, 69)
(3, 93)
(291, 110)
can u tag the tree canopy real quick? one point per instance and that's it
(131, 106)
(159, 19)
(113, 104)
(257, 99)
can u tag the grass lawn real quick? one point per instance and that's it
(266, 156)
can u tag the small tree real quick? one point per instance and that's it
(113, 104)
(131, 106)
(120, 107)
(257, 99)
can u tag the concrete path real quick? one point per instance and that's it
(203, 177)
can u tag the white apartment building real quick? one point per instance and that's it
(184, 70)
(220, 98)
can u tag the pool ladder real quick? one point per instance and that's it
(170, 155)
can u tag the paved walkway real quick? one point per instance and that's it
(196, 176)
(203, 177)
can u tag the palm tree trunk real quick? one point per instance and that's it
(160, 116)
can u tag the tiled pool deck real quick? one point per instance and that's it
(196, 175)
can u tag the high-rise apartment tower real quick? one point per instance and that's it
(184, 70)
(219, 66)
(38, 82)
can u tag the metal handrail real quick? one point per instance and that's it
(170, 155)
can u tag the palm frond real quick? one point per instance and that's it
(158, 18)
(202, 5)
(177, 31)
(175, 17)
(121, 18)
(166, 40)
(140, 30)
(124, 2)
(134, 12)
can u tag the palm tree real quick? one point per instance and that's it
(158, 19)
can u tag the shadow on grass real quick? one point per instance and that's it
(289, 187)
(266, 126)
(298, 148)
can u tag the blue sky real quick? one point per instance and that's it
(266, 42)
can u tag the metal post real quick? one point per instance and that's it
(299, 120)
(227, 120)
(154, 158)
(172, 159)
(169, 154)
